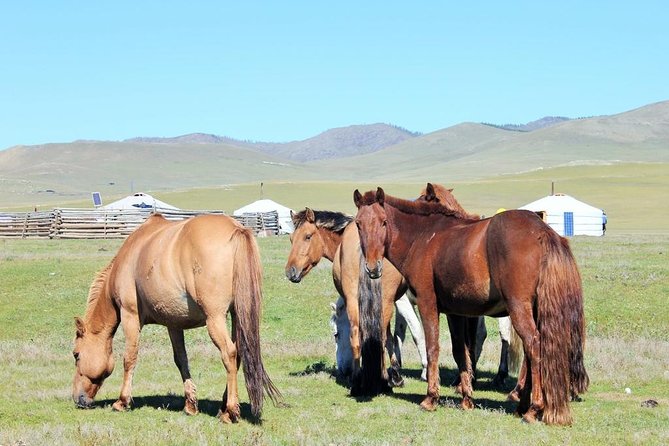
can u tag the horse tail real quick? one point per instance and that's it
(247, 293)
(515, 351)
(562, 329)
(370, 382)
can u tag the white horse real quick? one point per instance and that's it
(405, 316)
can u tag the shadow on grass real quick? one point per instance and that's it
(175, 403)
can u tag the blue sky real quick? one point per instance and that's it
(282, 71)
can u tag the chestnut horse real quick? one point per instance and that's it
(327, 234)
(181, 275)
(510, 264)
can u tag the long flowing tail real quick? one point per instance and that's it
(562, 329)
(370, 381)
(247, 289)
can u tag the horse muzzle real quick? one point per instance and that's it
(82, 401)
(293, 274)
(376, 272)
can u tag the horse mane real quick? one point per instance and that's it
(415, 207)
(97, 287)
(447, 199)
(333, 221)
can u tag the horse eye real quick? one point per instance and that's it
(384, 223)
(76, 356)
(308, 236)
(336, 336)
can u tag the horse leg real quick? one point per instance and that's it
(394, 376)
(427, 306)
(518, 390)
(218, 332)
(131, 330)
(181, 361)
(523, 321)
(417, 333)
(354, 320)
(462, 344)
(503, 369)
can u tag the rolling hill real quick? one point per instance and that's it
(70, 171)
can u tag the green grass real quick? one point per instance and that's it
(45, 283)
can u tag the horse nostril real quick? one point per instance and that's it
(379, 266)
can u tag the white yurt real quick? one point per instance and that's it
(266, 205)
(140, 200)
(569, 216)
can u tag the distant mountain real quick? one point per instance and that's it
(334, 143)
(340, 142)
(542, 123)
(356, 153)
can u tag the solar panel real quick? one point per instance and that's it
(97, 199)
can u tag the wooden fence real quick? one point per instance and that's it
(68, 223)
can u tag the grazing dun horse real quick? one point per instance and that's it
(181, 275)
(510, 264)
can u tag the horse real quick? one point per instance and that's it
(511, 351)
(510, 264)
(327, 234)
(181, 275)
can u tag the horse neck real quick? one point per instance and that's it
(331, 241)
(102, 315)
(402, 233)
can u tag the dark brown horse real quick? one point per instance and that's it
(511, 264)
(327, 234)
(181, 275)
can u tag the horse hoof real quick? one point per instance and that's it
(429, 404)
(467, 404)
(529, 418)
(119, 406)
(396, 379)
(227, 417)
(191, 407)
(513, 396)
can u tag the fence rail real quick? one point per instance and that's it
(70, 223)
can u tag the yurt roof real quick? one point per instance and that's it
(139, 200)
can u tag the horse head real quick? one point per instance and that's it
(341, 330)
(94, 362)
(372, 228)
(307, 246)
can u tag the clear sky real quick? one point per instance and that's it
(286, 70)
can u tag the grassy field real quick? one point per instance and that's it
(44, 285)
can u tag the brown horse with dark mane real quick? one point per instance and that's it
(181, 275)
(512, 263)
(328, 234)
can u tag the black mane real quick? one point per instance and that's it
(333, 221)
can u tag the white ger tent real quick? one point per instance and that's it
(266, 205)
(140, 200)
(568, 216)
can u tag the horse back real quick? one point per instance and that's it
(515, 251)
(167, 270)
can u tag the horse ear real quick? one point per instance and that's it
(430, 194)
(357, 198)
(81, 327)
(293, 217)
(310, 215)
(380, 196)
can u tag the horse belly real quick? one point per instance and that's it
(470, 299)
(172, 309)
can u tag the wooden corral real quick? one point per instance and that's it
(68, 223)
